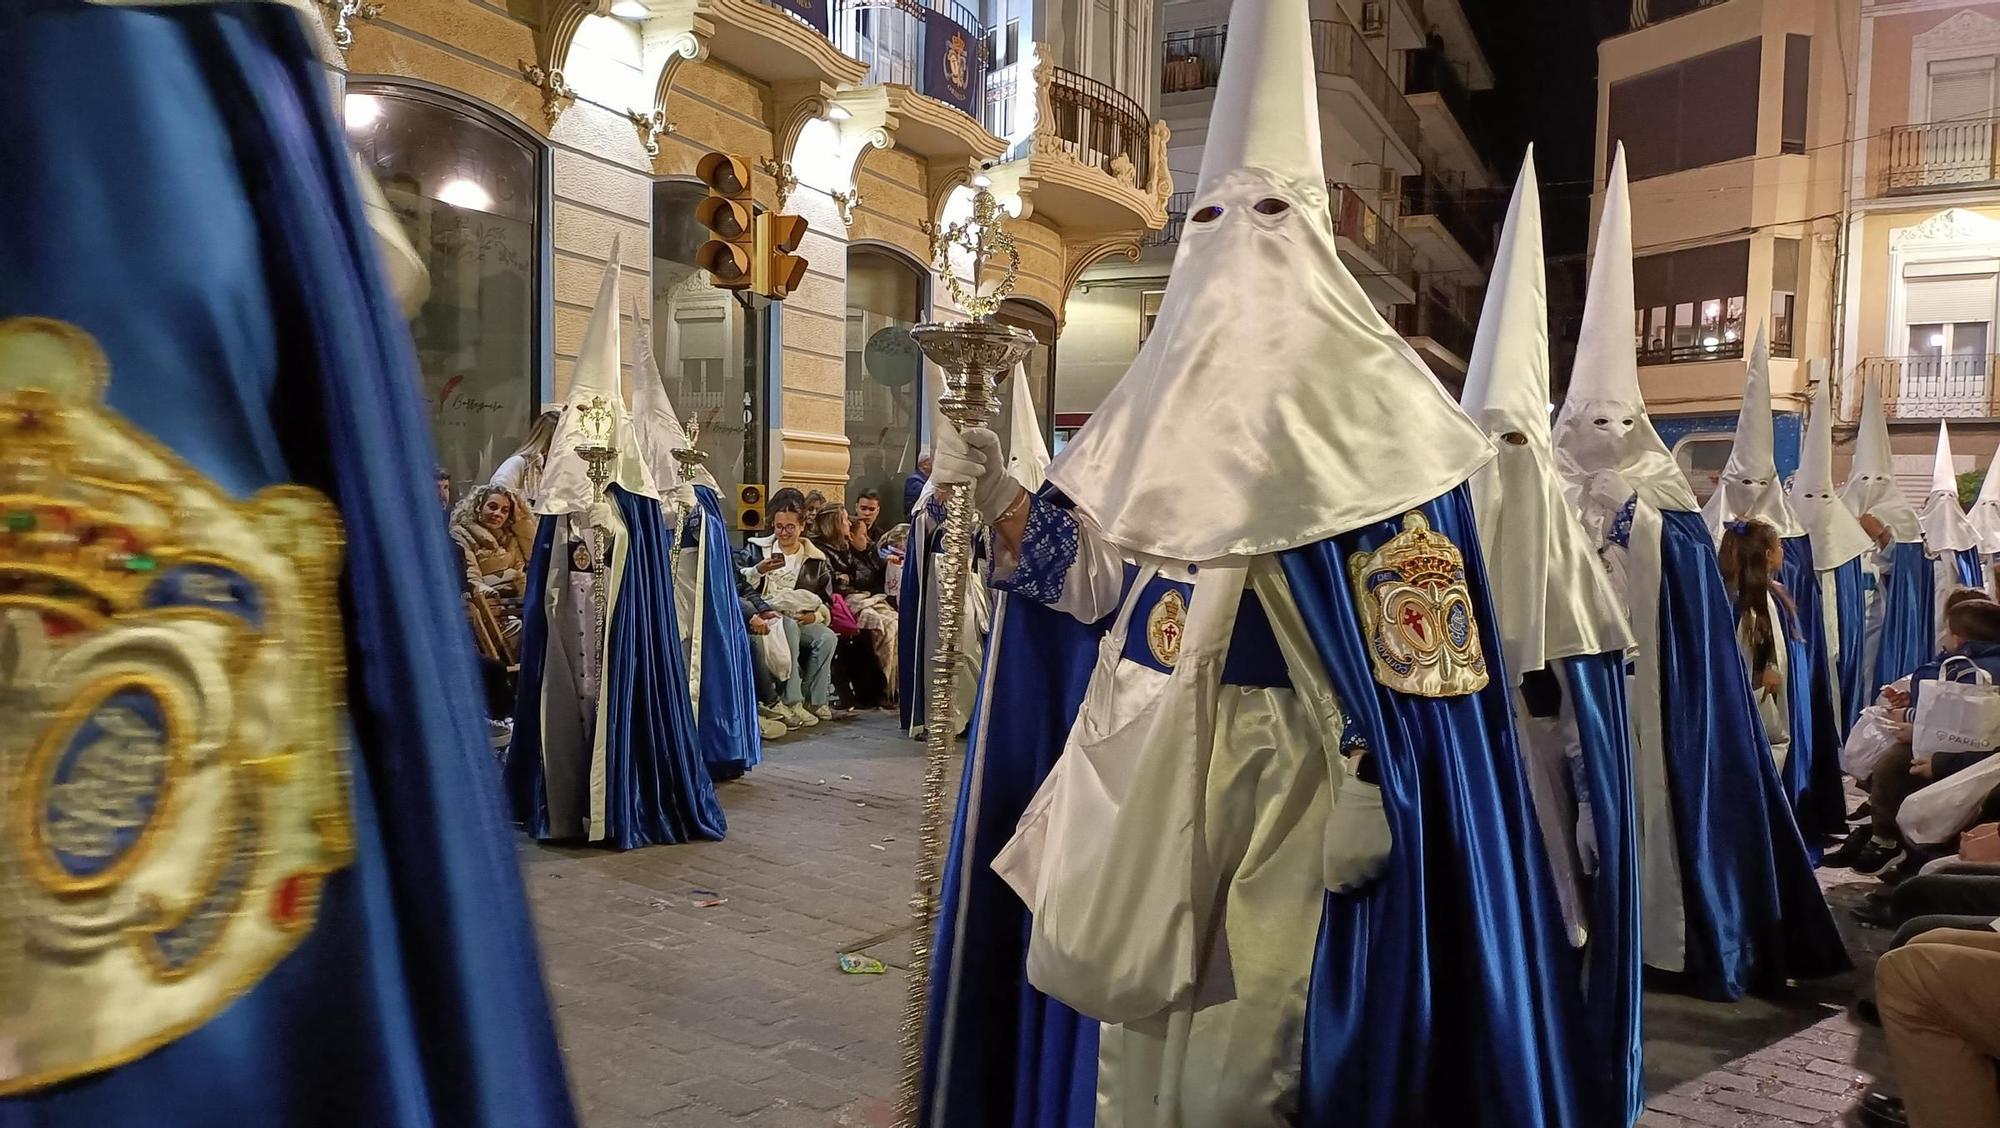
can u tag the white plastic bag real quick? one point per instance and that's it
(1937, 812)
(777, 652)
(1873, 736)
(1956, 716)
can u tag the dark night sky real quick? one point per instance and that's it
(1544, 58)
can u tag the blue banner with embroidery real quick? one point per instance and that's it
(1417, 613)
(170, 667)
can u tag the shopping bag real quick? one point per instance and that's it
(1956, 716)
(1874, 734)
(1944, 808)
(777, 652)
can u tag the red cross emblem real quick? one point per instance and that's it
(1413, 621)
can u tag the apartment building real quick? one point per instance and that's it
(518, 138)
(1407, 179)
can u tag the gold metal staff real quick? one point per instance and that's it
(597, 454)
(689, 458)
(975, 356)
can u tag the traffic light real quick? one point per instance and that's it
(750, 506)
(777, 237)
(731, 256)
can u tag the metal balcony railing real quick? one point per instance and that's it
(1646, 13)
(1353, 219)
(889, 35)
(1170, 233)
(793, 12)
(1430, 72)
(1430, 195)
(1428, 317)
(1098, 124)
(1938, 155)
(1192, 60)
(1338, 49)
(1691, 354)
(1934, 387)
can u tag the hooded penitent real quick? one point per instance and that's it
(1871, 488)
(1944, 524)
(1220, 402)
(1562, 628)
(1729, 899)
(1902, 614)
(1985, 513)
(599, 751)
(1838, 545)
(1028, 452)
(1749, 488)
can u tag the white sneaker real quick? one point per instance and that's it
(798, 716)
(771, 727)
(823, 712)
(771, 713)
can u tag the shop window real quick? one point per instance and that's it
(1949, 318)
(886, 297)
(713, 352)
(467, 187)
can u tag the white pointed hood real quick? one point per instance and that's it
(1029, 462)
(1871, 481)
(1944, 524)
(1603, 425)
(1271, 406)
(1749, 488)
(594, 412)
(659, 432)
(1835, 535)
(1551, 592)
(1985, 515)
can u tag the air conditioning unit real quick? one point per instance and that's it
(1373, 20)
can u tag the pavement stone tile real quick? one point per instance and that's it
(676, 1016)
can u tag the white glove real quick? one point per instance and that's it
(973, 458)
(1357, 836)
(1586, 840)
(1609, 489)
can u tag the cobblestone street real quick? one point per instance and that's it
(698, 985)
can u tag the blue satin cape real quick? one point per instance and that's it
(996, 1051)
(727, 720)
(1909, 616)
(1819, 803)
(1755, 914)
(1971, 573)
(1444, 991)
(180, 191)
(1850, 598)
(657, 786)
(910, 607)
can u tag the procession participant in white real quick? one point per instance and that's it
(1565, 639)
(1838, 545)
(1949, 538)
(605, 747)
(1902, 614)
(1264, 536)
(1985, 518)
(1730, 902)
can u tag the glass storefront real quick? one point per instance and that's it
(885, 374)
(712, 352)
(468, 189)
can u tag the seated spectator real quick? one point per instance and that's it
(790, 575)
(860, 673)
(1972, 630)
(867, 511)
(761, 622)
(495, 534)
(444, 490)
(1939, 997)
(914, 484)
(815, 501)
(890, 546)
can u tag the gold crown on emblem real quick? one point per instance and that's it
(1421, 556)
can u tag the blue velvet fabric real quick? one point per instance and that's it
(997, 1051)
(910, 664)
(1971, 570)
(1444, 992)
(1909, 616)
(1754, 911)
(657, 785)
(1850, 598)
(1613, 959)
(178, 188)
(727, 721)
(1819, 803)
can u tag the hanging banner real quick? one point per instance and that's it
(952, 66)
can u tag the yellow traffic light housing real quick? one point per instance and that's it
(731, 256)
(778, 237)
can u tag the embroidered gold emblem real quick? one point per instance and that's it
(1417, 613)
(1165, 625)
(171, 759)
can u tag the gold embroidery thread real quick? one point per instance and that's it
(1416, 613)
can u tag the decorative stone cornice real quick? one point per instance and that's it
(337, 13)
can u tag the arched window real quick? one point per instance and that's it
(468, 187)
(886, 296)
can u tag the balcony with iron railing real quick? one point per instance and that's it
(1646, 13)
(1169, 233)
(1931, 386)
(1431, 73)
(1095, 123)
(1373, 236)
(1938, 156)
(1192, 60)
(1428, 319)
(1427, 195)
(1099, 162)
(1694, 353)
